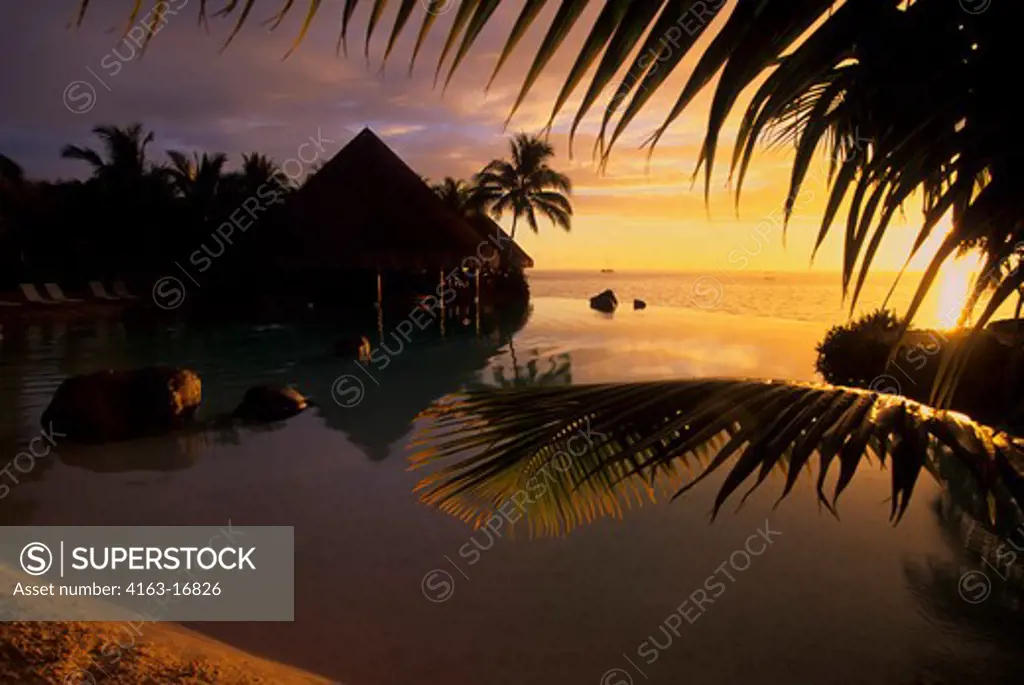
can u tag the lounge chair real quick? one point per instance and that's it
(121, 290)
(32, 295)
(99, 292)
(54, 291)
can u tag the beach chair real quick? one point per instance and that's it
(100, 293)
(121, 290)
(57, 295)
(32, 295)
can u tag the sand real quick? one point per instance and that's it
(74, 653)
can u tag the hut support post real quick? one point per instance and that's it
(380, 306)
(441, 291)
(477, 300)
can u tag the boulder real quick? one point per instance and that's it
(118, 405)
(265, 404)
(605, 302)
(639, 304)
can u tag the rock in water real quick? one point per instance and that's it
(265, 404)
(639, 304)
(118, 405)
(605, 302)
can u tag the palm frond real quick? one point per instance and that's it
(241, 22)
(83, 153)
(404, 12)
(314, 7)
(481, 15)
(531, 8)
(641, 438)
(276, 20)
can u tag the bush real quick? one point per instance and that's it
(854, 353)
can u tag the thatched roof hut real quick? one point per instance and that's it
(366, 209)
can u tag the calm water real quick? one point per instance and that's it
(816, 297)
(828, 602)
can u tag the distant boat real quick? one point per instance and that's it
(607, 271)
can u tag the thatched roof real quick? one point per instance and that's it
(366, 208)
(511, 253)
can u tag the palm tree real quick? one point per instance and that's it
(132, 194)
(197, 180)
(456, 193)
(525, 185)
(124, 162)
(258, 170)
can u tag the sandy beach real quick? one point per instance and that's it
(78, 653)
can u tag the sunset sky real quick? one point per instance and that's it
(634, 216)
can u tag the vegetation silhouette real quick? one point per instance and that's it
(456, 193)
(132, 212)
(523, 185)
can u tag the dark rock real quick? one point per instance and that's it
(353, 347)
(605, 302)
(264, 404)
(118, 405)
(639, 304)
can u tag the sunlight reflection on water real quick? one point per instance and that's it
(800, 296)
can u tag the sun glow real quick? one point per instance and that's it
(953, 285)
(953, 289)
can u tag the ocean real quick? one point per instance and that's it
(810, 296)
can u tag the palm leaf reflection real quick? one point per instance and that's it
(487, 446)
(558, 372)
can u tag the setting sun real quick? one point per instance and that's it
(944, 303)
(953, 289)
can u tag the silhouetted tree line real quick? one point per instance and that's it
(135, 216)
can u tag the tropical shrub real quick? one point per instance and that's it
(855, 353)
